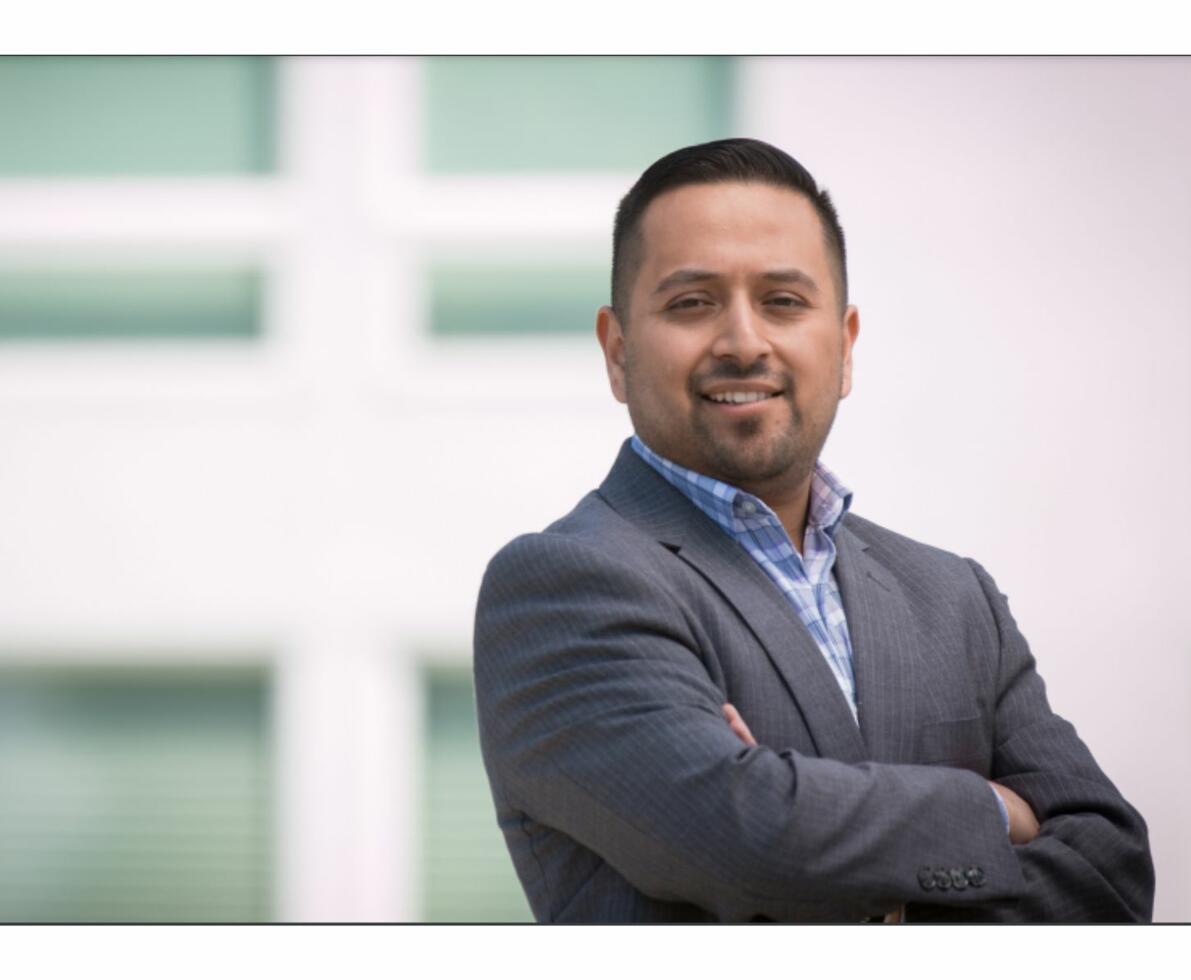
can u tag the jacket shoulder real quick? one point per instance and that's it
(880, 537)
(593, 526)
(914, 560)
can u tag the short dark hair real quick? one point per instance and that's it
(720, 161)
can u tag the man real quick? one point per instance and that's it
(711, 692)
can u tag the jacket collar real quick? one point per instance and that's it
(879, 621)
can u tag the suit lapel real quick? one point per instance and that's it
(640, 495)
(884, 640)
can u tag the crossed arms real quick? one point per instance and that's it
(600, 718)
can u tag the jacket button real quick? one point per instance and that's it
(942, 879)
(926, 878)
(958, 881)
(975, 876)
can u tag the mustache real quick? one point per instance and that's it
(731, 372)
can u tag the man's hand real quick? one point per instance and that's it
(1023, 825)
(739, 728)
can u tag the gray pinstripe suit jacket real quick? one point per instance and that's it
(604, 648)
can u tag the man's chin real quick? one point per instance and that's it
(748, 466)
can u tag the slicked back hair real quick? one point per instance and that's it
(721, 161)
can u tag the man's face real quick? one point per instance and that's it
(735, 354)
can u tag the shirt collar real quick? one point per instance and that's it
(738, 511)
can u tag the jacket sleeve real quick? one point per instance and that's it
(598, 718)
(1091, 860)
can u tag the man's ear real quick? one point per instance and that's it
(851, 328)
(611, 336)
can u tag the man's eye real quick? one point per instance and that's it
(793, 301)
(687, 303)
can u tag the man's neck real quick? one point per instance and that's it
(790, 506)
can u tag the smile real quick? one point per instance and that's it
(741, 397)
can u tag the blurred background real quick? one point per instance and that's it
(290, 347)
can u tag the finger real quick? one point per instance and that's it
(736, 723)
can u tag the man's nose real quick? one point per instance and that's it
(742, 336)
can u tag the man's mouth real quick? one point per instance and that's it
(741, 397)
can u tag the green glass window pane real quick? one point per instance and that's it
(471, 298)
(578, 114)
(148, 304)
(468, 874)
(100, 117)
(134, 795)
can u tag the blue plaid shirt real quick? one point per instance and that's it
(806, 580)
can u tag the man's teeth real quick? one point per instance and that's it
(740, 397)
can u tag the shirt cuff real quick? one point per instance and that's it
(1001, 806)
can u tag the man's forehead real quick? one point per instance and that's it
(725, 198)
(687, 222)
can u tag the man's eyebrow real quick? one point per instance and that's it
(792, 277)
(684, 277)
